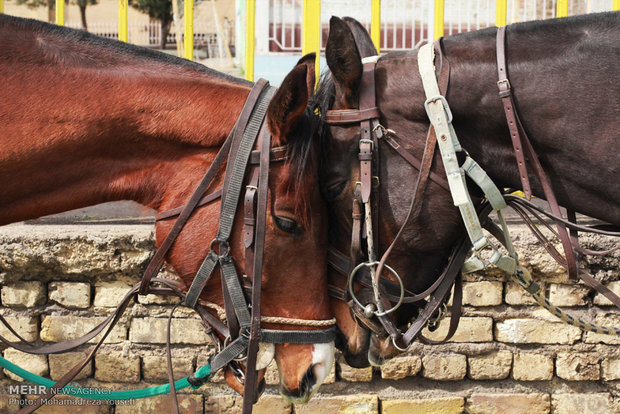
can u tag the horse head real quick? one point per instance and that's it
(421, 252)
(294, 283)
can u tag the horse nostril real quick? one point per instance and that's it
(307, 382)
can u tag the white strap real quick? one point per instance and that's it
(441, 118)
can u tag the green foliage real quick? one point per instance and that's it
(156, 9)
(84, 3)
(33, 4)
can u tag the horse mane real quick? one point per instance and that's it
(73, 47)
(301, 155)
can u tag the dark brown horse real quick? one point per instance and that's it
(85, 120)
(563, 75)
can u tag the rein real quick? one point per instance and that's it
(243, 331)
(474, 218)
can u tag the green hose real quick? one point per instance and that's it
(93, 394)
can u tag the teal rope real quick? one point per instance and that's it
(202, 372)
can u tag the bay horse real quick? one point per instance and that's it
(86, 120)
(561, 72)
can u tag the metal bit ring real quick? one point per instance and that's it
(369, 264)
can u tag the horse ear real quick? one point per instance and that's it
(364, 43)
(343, 59)
(289, 102)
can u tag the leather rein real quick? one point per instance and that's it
(242, 331)
(384, 291)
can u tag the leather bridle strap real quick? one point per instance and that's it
(158, 259)
(249, 390)
(520, 139)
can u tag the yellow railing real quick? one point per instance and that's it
(438, 21)
(188, 18)
(311, 35)
(60, 12)
(561, 8)
(122, 20)
(501, 8)
(250, 18)
(375, 24)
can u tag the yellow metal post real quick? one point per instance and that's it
(438, 22)
(561, 8)
(501, 7)
(250, 20)
(188, 17)
(60, 12)
(616, 5)
(1, 6)
(122, 20)
(311, 31)
(375, 24)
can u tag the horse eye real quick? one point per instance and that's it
(287, 225)
(334, 189)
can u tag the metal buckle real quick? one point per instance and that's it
(443, 101)
(372, 143)
(251, 187)
(504, 82)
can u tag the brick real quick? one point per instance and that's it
(188, 404)
(153, 331)
(62, 404)
(608, 320)
(60, 364)
(64, 328)
(602, 300)
(155, 368)
(37, 364)
(532, 367)
(23, 294)
(492, 366)
(229, 404)
(109, 294)
(483, 293)
(351, 374)
(70, 294)
(152, 299)
(532, 403)
(568, 295)
(116, 367)
(578, 367)
(447, 367)
(26, 326)
(516, 295)
(598, 403)
(534, 331)
(401, 367)
(611, 369)
(9, 403)
(445, 405)
(345, 404)
(471, 329)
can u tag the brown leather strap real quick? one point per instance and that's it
(250, 394)
(392, 140)
(505, 94)
(523, 147)
(158, 259)
(351, 116)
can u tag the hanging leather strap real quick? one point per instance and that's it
(523, 147)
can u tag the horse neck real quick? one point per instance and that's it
(574, 139)
(104, 135)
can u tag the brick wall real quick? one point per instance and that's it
(508, 356)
